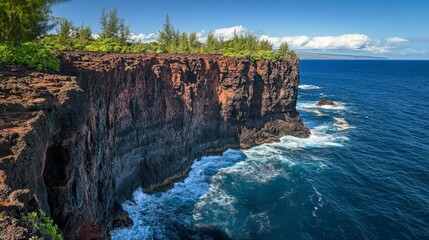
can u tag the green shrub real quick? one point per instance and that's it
(40, 226)
(29, 54)
(106, 45)
(1, 220)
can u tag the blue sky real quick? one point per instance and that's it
(395, 29)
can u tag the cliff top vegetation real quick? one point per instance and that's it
(24, 38)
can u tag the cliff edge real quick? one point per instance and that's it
(77, 143)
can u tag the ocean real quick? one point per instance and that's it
(362, 174)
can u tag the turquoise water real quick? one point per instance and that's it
(363, 173)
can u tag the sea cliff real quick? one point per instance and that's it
(78, 142)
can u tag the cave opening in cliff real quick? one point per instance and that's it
(55, 176)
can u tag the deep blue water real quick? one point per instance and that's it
(363, 173)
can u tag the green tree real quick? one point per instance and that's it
(250, 43)
(84, 33)
(211, 45)
(124, 32)
(283, 50)
(168, 37)
(176, 39)
(112, 26)
(25, 20)
(194, 45)
(103, 23)
(265, 45)
(65, 30)
(235, 42)
(183, 43)
(83, 37)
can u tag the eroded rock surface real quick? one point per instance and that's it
(79, 142)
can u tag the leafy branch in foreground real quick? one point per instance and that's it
(25, 20)
(40, 226)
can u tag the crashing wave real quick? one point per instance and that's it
(308, 87)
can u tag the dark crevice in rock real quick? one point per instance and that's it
(56, 178)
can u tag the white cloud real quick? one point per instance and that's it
(294, 41)
(151, 37)
(225, 33)
(228, 33)
(347, 41)
(355, 42)
(396, 40)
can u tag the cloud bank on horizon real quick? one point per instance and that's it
(355, 42)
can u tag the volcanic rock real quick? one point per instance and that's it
(326, 102)
(77, 143)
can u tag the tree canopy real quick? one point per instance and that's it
(112, 26)
(25, 20)
(168, 37)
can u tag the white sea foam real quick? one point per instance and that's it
(318, 198)
(308, 87)
(342, 124)
(319, 138)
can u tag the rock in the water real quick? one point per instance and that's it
(120, 218)
(326, 102)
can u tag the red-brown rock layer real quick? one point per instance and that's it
(78, 143)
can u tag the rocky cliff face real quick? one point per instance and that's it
(78, 143)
